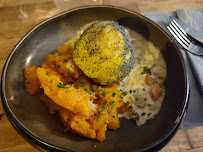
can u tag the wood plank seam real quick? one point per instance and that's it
(189, 141)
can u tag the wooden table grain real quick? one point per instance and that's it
(17, 17)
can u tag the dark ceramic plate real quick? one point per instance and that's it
(30, 116)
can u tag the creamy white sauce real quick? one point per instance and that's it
(143, 108)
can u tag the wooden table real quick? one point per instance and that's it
(18, 16)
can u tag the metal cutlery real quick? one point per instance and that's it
(187, 29)
(185, 41)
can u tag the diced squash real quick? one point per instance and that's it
(75, 100)
(32, 82)
(84, 107)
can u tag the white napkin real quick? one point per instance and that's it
(195, 19)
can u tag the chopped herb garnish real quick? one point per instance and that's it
(143, 114)
(108, 111)
(113, 116)
(28, 82)
(59, 54)
(137, 99)
(108, 92)
(104, 108)
(114, 94)
(111, 102)
(143, 89)
(60, 85)
(149, 105)
(51, 81)
(147, 121)
(149, 114)
(68, 74)
(65, 60)
(106, 122)
(99, 112)
(134, 90)
(86, 88)
(82, 84)
(68, 49)
(52, 90)
(90, 93)
(73, 114)
(124, 93)
(130, 91)
(58, 66)
(146, 70)
(105, 101)
(47, 73)
(121, 96)
(127, 103)
(91, 88)
(103, 93)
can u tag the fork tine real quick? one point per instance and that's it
(178, 35)
(181, 31)
(174, 35)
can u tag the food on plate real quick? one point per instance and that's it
(104, 52)
(88, 108)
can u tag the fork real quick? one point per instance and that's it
(184, 40)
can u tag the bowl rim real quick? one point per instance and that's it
(20, 127)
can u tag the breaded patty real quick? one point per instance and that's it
(104, 52)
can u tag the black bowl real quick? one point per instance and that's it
(30, 116)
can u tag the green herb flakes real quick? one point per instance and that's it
(127, 103)
(111, 102)
(99, 112)
(106, 122)
(58, 66)
(47, 73)
(52, 90)
(124, 93)
(113, 116)
(108, 112)
(60, 85)
(65, 60)
(143, 114)
(104, 108)
(146, 70)
(114, 94)
(103, 93)
(51, 81)
(91, 88)
(149, 114)
(82, 84)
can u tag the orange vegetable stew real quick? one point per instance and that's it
(84, 107)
